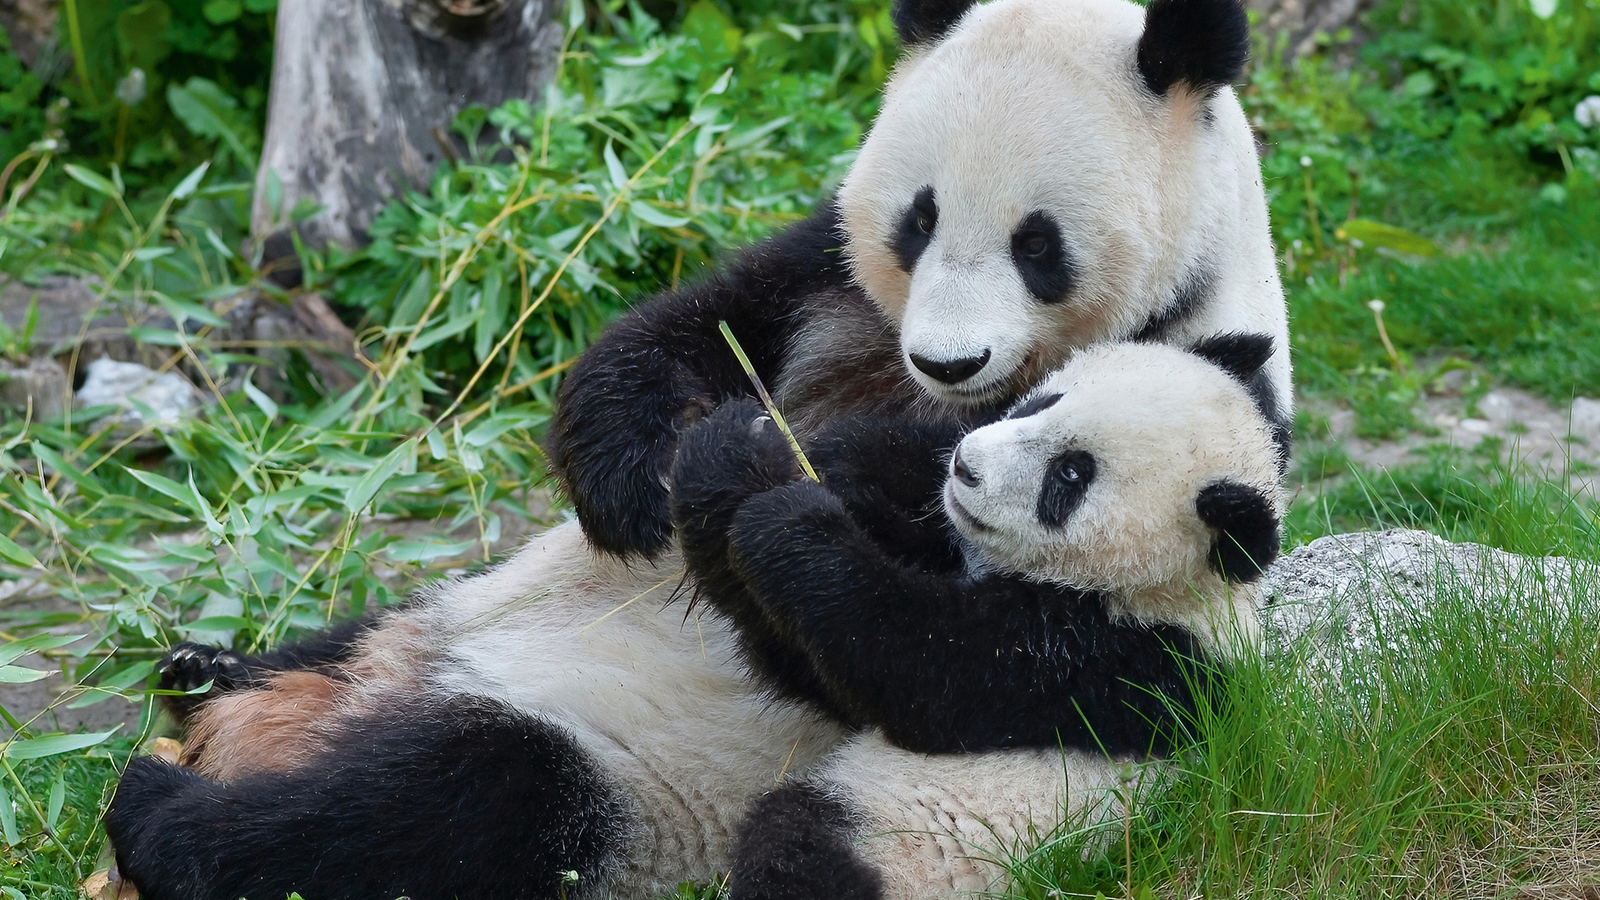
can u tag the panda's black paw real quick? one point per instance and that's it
(190, 666)
(798, 843)
(781, 536)
(149, 830)
(734, 454)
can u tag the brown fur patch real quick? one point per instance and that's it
(274, 728)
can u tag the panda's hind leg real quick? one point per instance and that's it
(460, 798)
(798, 844)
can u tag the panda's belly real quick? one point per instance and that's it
(659, 698)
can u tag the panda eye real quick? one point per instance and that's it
(1042, 257)
(915, 231)
(1065, 485)
(925, 212)
(1033, 245)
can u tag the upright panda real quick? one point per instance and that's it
(549, 720)
(1092, 570)
(1043, 174)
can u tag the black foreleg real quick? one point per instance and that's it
(723, 461)
(467, 799)
(665, 364)
(796, 844)
(189, 666)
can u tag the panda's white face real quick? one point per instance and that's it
(1092, 480)
(1022, 194)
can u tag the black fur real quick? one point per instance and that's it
(927, 21)
(1244, 356)
(1065, 483)
(665, 364)
(1042, 259)
(915, 230)
(1033, 405)
(1198, 287)
(739, 453)
(464, 799)
(1247, 538)
(188, 666)
(796, 844)
(868, 583)
(1199, 43)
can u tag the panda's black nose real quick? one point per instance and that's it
(959, 469)
(950, 371)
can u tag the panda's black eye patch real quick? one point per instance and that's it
(1065, 483)
(1042, 259)
(1036, 405)
(915, 230)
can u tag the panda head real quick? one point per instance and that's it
(1043, 174)
(1138, 469)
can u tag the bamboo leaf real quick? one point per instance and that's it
(50, 745)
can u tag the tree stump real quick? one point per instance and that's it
(363, 94)
(1298, 22)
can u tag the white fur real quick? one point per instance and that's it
(943, 826)
(657, 697)
(1038, 105)
(1162, 424)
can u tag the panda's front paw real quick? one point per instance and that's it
(190, 666)
(789, 530)
(734, 454)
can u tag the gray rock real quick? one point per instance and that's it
(40, 384)
(1351, 595)
(168, 396)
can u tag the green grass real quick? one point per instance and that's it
(1466, 765)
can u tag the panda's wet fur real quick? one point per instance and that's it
(1093, 576)
(577, 651)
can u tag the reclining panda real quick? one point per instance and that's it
(1066, 580)
(1043, 174)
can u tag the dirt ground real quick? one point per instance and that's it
(1559, 442)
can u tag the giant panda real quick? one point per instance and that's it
(554, 727)
(1043, 174)
(1063, 584)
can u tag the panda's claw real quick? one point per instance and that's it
(190, 666)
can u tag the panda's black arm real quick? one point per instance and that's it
(664, 364)
(722, 461)
(890, 475)
(947, 663)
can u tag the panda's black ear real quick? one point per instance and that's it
(1247, 538)
(927, 21)
(1200, 43)
(1240, 354)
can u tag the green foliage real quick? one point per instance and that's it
(1419, 772)
(50, 819)
(1508, 71)
(651, 154)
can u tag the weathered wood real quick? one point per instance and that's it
(363, 93)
